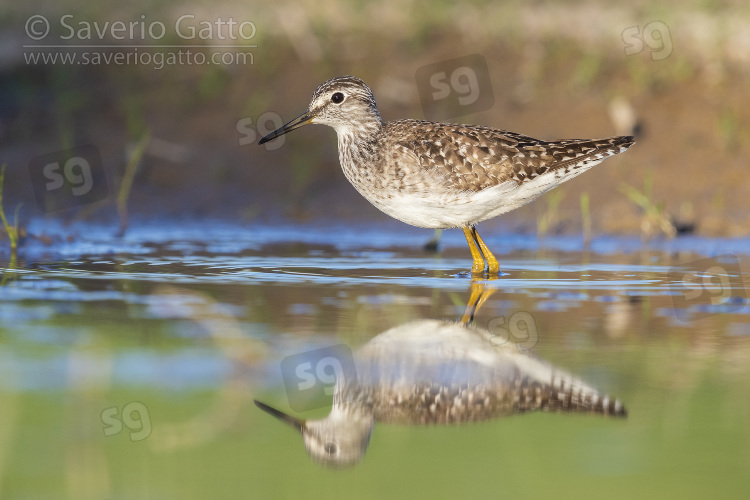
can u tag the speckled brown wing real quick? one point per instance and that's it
(431, 404)
(475, 157)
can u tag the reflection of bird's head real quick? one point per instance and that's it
(338, 440)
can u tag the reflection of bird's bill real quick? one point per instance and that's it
(288, 419)
(298, 122)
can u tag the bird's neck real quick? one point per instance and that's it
(358, 141)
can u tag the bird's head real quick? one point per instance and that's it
(345, 103)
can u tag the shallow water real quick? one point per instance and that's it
(128, 367)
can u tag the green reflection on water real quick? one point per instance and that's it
(685, 386)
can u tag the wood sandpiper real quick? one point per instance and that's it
(440, 175)
(432, 372)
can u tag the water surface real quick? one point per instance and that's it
(128, 367)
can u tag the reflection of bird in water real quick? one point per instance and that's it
(438, 372)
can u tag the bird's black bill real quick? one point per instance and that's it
(298, 122)
(287, 419)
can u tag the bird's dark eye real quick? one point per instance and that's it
(330, 447)
(337, 98)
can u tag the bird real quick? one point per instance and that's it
(439, 372)
(443, 175)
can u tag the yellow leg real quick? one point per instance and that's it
(492, 263)
(479, 295)
(476, 255)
